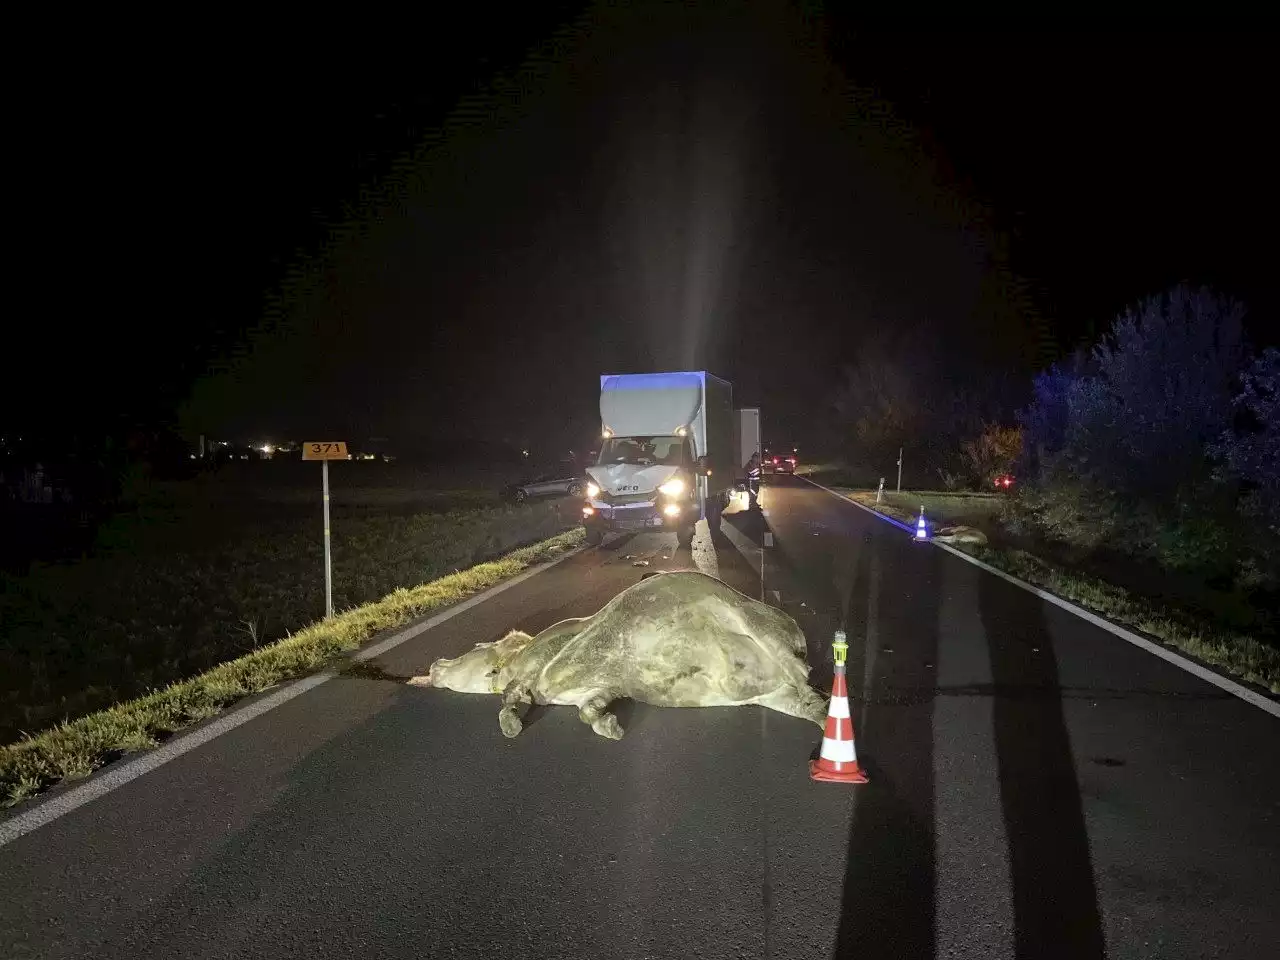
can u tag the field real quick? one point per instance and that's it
(199, 572)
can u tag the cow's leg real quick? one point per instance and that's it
(509, 718)
(593, 712)
(796, 702)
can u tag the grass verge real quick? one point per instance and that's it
(1234, 653)
(77, 748)
(980, 510)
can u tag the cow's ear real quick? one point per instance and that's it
(517, 638)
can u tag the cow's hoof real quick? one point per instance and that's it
(510, 723)
(608, 726)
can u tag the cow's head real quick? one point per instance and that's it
(482, 670)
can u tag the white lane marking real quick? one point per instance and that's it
(1164, 653)
(413, 630)
(114, 777)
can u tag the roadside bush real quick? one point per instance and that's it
(992, 453)
(1249, 458)
(1117, 438)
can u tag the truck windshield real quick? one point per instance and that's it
(645, 451)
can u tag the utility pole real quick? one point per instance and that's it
(899, 469)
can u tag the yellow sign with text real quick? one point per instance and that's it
(324, 450)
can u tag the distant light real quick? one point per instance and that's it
(268, 449)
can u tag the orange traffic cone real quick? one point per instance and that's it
(837, 761)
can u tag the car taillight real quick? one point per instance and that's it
(775, 460)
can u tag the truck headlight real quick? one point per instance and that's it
(672, 488)
(592, 491)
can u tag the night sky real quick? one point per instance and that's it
(386, 232)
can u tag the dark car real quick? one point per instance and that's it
(779, 459)
(544, 485)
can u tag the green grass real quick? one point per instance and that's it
(198, 573)
(1233, 652)
(77, 748)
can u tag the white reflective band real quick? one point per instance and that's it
(841, 751)
(839, 707)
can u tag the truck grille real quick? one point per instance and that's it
(625, 499)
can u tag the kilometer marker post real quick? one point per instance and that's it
(324, 451)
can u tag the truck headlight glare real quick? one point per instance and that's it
(672, 488)
(593, 491)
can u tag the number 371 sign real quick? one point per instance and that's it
(324, 450)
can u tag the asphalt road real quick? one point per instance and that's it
(1040, 788)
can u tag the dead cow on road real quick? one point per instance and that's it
(672, 640)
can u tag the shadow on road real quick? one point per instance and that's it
(1054, 899)
(887, 906)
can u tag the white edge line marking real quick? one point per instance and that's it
(114, 777)
(1164, 653)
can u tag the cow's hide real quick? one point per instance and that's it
(673, 640)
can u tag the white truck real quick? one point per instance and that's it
(666, 454)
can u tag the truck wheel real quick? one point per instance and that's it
(594, 536)
(684, 537)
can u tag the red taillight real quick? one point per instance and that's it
(775, 460)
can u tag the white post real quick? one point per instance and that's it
(880, 491)
(899, 469)
(328, 566)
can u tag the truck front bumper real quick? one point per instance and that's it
(635, 516)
